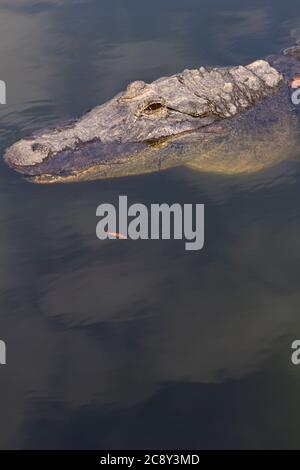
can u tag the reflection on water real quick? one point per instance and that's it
(121, 344)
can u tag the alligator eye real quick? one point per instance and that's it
(153, 108)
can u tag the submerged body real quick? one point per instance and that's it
(228, 119)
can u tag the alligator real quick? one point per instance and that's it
(232, 120)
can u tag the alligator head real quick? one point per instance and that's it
(134, 125)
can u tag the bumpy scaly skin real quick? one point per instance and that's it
(151, 123)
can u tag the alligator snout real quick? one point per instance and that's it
(32, 157)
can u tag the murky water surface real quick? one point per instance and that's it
(143, 344)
